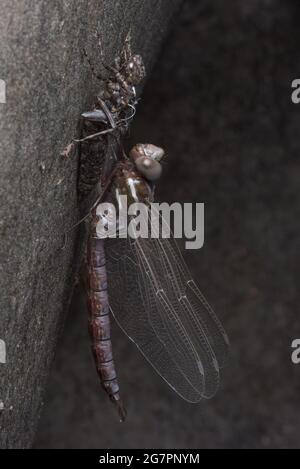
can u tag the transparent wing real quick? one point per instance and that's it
(161, 309)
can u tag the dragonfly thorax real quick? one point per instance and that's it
(131, 183)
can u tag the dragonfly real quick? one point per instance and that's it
(143, 281)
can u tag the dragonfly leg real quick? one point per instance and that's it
(99, 322)
(92, 67)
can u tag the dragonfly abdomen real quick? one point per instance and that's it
(99, 321)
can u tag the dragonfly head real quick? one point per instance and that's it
(146, 158)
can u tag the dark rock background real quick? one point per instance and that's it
(219, 101)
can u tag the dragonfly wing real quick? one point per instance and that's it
(201, 315)
(161, 309)
(175, 320)
(145, 317)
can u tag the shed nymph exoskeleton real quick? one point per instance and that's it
(114, 109)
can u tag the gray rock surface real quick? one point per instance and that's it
(219, 102)
(48, 85)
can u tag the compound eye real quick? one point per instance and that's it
(154, 152)
(149, 168)
(146, 149)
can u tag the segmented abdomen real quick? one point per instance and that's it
(99, 318)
